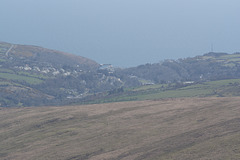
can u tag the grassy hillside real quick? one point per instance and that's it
(16, 88)
(36, 76)
(210, 66)
(176, 129)
(221, 88)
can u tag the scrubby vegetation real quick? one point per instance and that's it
(177, 129)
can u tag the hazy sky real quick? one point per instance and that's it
(124, 32)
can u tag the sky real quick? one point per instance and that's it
(124, 33)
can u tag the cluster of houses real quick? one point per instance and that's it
(47, 70)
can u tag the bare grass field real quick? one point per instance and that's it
(177, 129)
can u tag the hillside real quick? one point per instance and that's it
(34, 55)
(177, 129)
(220, 88)
(36, 76)
(210, 66)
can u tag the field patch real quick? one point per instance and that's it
(20, 78)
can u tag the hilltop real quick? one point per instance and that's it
(34, 55)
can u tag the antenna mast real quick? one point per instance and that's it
(211, 47)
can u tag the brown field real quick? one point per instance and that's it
(176, 129)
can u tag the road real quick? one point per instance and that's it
(9, 50)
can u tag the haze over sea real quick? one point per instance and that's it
(124, 32)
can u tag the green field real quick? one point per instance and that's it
(20, 78)
(229, 60)
(4, 47)
(39, 76)
(222, 88)
(230, 57)
(4, 70)
(5, 83)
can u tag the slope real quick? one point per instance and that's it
(49, 77)
(210, 66)
(53, 77)
(220, 88)
(35, 54)
(196, 128)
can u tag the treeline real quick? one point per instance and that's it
(190, 69)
